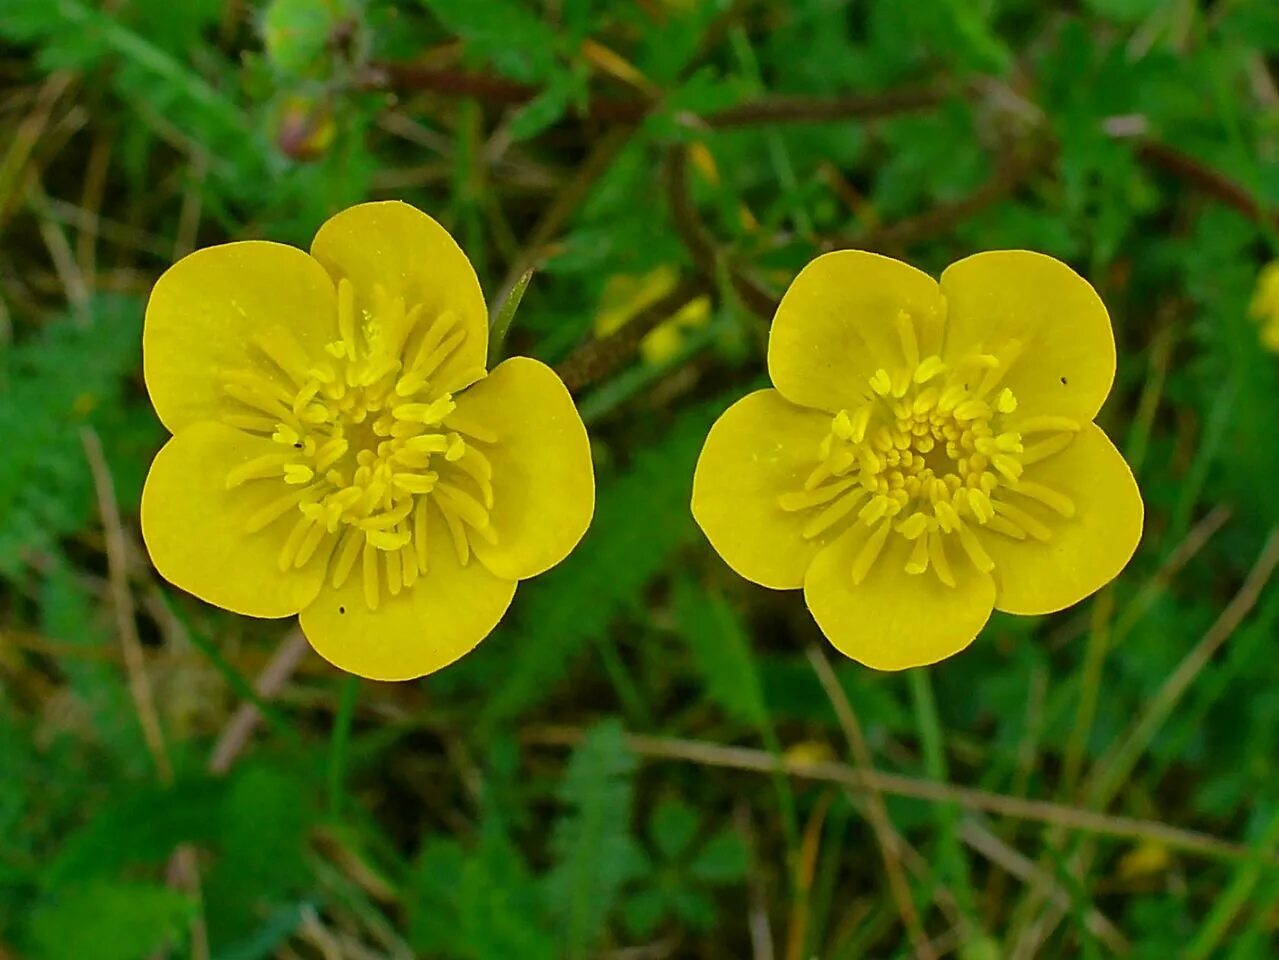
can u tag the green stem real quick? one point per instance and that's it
(339, 741)
(951, 860)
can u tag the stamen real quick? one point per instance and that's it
(918, 561)
(460, 544)
(976, 553)
(1023, 519)
(259, 468)
(294, 542)
(906, 333)
(283, 349)
(419, 533)
(408, 564)
(346, 317)
(869, 551)
(268, 514)
(394, 571)
(1048, 496)
(937, 554)
(832, 514)
(352, 541)
(306, 549)
(1046, 448)
(805, 499)
(371, 597)
(1047, 424)
(464, 425)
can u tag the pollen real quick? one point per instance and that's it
(368, 445)
(934, 452)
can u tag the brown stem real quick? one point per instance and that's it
(900, 236)
(779, 109)
(1205, 178)
(597, 358)
(699, 243)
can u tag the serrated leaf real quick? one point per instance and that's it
(504, 33)
(722, 860)
(644, 911)
(595, 854)
(108, 920)
(473, 904)
(673, 826)
(154, 819)
(695, 907)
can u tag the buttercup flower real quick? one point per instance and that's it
(338, 450)
(928, 453)
(1265, 306)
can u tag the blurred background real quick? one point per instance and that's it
(650, 758)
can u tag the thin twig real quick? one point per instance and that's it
(597, 358)
(1205, 178)
(898, 237)
(701, 247)
(1041, 811)
(235, 735)
(876, 812)
(122, 602)
(1007, 858)
(779, 109)
(1113, 768)
(566, 203)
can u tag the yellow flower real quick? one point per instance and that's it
(1265, 305)
(338, 450)
(928, 453)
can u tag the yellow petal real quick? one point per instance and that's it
(893, 620)
(1067, 358)
(399, 248)
(838, 324)
(194, 527)
(448, 610)
(204, 311)
(762, 447)
(1085, 551)
(543, 481)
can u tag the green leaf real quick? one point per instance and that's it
(154, 819)
(108, 920)
(695, 908)
(644, 911)
(673, 826)
(595, 854)
(717, 639)
(261, 844)
(722, 860)
(503, 33)
(548, 106)
(474, 904)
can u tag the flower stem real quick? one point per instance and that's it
(339, 741)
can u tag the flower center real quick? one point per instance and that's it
(930, 454)
(367, 441)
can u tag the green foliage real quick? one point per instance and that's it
(595, 854)
(69, 378)
(109, 920)
(683, 870)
